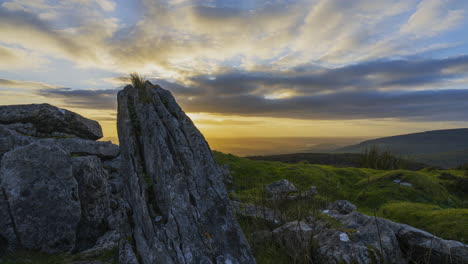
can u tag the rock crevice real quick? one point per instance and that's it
(176, 191)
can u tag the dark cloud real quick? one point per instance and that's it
(89, 99)
(349, 92)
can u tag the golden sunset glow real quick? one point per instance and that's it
(262, 69)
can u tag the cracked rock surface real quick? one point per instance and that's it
(181, 211)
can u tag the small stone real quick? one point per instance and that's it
(279, 190)
(344, 237)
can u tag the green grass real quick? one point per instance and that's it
(28, 257)
(139, 83)
(449, 223)
(371, 190)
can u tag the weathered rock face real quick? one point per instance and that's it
(181, 211)
(42, 198)
(84, 147)
(279, 190)
(95, 199)
(10, 139)
(371, 241)
(48, 120)
(423, 247)
(377, 240)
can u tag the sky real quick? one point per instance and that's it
(247, 68)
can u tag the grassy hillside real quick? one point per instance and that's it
(371, 190)
(445, 148)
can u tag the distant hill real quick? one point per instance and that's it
(333, 159)
(444, 148)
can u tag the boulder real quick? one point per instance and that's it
(309, 193)
(84, 147)
(343, 207)
(95, 199)
(423, 247)
(260, 212)
(47, 120)
(296, 238)
(42, 197)
(359, 239)
(181, 210)
(10, 139)
(377, 240)
(279, 190)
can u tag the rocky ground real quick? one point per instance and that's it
(161, 198)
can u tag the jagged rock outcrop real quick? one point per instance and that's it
(181, 211)
(55, 193)
(47, 120)
(42, 195)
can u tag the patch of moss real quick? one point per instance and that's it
(450, 223)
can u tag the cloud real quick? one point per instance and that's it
(432, 17)
(88, 99)
(27, 85)
(414, 90)
(300, 59)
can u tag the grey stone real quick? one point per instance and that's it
(309, 193)
(8, 233)
(42, 197)
(10, 139)
(279, 190)
(296, 238)
(108, 242)
(48, 120)
(169, 171)
(95, 196)
(407, 184)
(364, 240)
(126, 253)
(260, 212)
(421, 246)
(113, 165)
(343, 207)
(84, 147)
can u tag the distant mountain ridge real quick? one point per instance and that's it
(445, 148)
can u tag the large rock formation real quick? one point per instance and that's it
(55, 194)
(43, 204)
(48, 120)
(181, 211)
